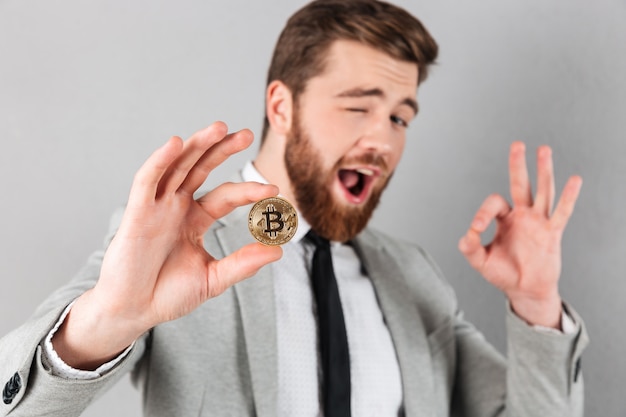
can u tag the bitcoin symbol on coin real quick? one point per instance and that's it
(273, 221)
(269, 220)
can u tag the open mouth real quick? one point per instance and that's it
(357, 183)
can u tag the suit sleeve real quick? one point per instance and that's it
(540, 376)
(544, 375)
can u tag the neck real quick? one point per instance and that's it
(271, 165)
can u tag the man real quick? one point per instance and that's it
(340, 95)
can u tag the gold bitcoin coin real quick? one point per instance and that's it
(273, 221)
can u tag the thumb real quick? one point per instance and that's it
(240, 265)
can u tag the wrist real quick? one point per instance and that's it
(544, 311)
(89, 336)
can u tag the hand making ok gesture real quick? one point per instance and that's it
(524, 257)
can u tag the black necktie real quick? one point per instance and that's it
(332, 332)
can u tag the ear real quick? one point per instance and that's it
(279, 107)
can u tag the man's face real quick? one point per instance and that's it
(347, 136)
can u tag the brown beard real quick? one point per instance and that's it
(311, 186)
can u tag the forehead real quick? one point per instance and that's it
(350, 63)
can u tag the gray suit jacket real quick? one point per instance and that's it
(221, 359)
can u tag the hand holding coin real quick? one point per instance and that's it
(273, 221)
(164, 226)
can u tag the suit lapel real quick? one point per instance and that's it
(258, 313)
(404, 323)
(398, 304)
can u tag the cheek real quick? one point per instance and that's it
(396, 154)
(333, 136)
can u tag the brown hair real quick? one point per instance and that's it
(300, 50)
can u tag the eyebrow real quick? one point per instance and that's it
(376, 92)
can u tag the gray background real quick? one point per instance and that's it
(89, 89)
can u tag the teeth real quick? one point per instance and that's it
(365, 171)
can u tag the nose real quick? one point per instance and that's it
(380, 137)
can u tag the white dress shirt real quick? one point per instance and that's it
(376, 386)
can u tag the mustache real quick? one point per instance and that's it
(370, 158)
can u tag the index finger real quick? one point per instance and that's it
(218, 153)
(193, 149)
(148, 177)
